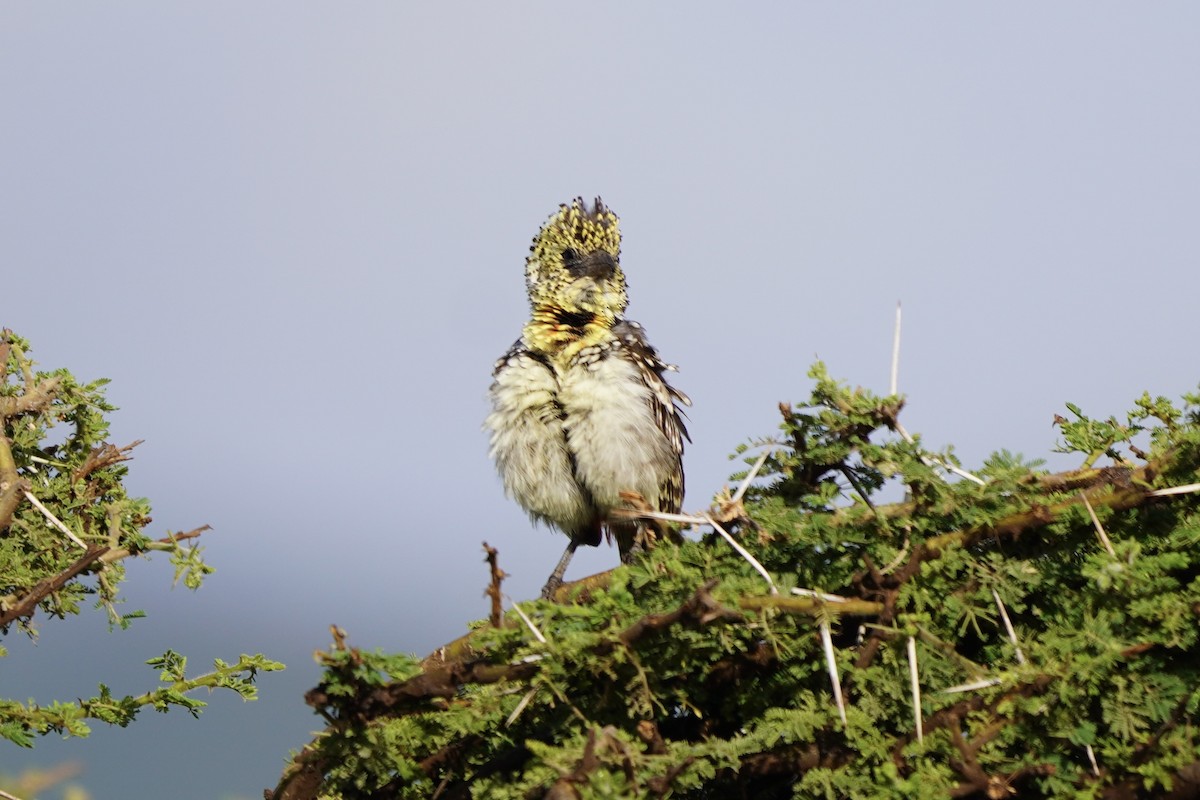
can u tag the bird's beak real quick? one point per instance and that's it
(597, 266)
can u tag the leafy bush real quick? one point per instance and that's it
(1003, 633)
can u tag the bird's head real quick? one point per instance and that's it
(573, 273)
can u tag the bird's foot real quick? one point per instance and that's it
(551, 587)
(646, 537)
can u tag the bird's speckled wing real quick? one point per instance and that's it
(665, 405)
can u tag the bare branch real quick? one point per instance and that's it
(495, 616)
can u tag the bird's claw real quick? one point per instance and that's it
(551, 588)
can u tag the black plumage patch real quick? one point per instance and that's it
(576, 320)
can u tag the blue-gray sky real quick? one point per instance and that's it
(293, 235)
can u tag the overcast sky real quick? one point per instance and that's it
(293, 234)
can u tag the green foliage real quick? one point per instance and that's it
(685, 676)
(23, 721)
(67, 526)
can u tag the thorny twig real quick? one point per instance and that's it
(165, 543)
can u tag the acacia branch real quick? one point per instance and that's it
(103, 456)
(1039, 516)
(461, 648)
(813, 606)
(24, 605)
(699, 609)
(11, 485)
(29, 603)
(164, 544)
(412, 695)
(34, 399)
(443, 679)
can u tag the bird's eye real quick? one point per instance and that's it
(570, 257)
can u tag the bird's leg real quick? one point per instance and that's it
(637, 536)
(556, 578)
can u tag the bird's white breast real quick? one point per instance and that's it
(529, 445)
(611, 431)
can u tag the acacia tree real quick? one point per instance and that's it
(67, 529)
(1001, 632)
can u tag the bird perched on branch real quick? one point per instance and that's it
(580, 409)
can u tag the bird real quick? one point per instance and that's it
(580, 409)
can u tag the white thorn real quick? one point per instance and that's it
(896, 353)
(1188, 489)
(750, 476)
(831, 663)
(972, 686)
(1091, 754)
(916, 687)
(55, 521)
(743, 552)
(520, 707)
(832, 598)
(1012, 634)
(528, 622)
(929, 462)
(1099, 528)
